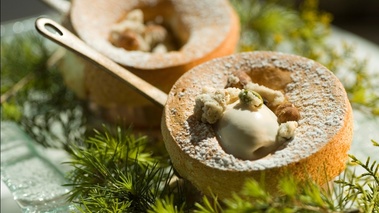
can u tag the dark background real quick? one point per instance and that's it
(14, 9)
(358, 16)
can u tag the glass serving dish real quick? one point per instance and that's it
(34, 175)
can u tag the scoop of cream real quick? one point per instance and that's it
(248, 134)
(246, 128)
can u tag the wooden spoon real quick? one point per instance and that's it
(57, 33)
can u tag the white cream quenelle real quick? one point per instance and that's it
(246, 128)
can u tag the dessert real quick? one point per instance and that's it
(311, 94)
(116, 29)
(131, 33)
(245, 127)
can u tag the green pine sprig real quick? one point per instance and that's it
(33, 93)
(117, 172)
(349, 194)
(363, 190)
(166, 205)
(303, 30)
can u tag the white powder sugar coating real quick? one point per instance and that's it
(321, 101)
(203, 24)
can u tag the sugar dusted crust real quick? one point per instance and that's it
(322, 139)
(206, 34)
(205, 25)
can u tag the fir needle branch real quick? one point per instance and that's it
(277, 26)
(25, 80)
(166, 205)
(371, 168)
(45, 108)
(363, 189)
(111, 165)
(16, 87)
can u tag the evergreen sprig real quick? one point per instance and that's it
(303, 30)
(166, 205)
(110, 183)
(41, 104)
(363, 189)
(22, 59)
(23, 55)
(121, 144)
(118, 173)
(295, 197)
(350, 193)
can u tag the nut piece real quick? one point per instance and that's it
(128, 40)
(287, 112)
(238, 79)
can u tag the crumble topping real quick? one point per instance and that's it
(246, 128)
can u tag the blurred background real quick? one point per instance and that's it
(359, 17)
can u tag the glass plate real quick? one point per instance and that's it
(34, 174)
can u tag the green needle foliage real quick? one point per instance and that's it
(350, 193)
(21, 56)
(303, 30)
(23, 60)
(166, 205)
(106, 171)
(116, 172)
(106, 179)
(33, 93)
(363, 189)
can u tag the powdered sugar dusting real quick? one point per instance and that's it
(321, 102)
(207, 22)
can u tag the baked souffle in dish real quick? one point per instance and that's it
(257, 115)
(158, 40)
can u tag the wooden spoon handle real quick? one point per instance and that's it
(57, 33)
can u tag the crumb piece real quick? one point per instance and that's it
(251, 99)
(233, 94)
(274, 97)
(129, 40)
(210, 109)
(233, 81)
(211, 104)
(286, 131)
(160, 48)
(132, 34)
(135, 15)
(155, 35)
